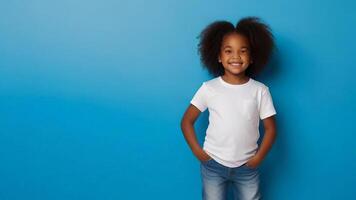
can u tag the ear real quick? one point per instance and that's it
(219, 59)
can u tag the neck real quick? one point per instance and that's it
(235, 79)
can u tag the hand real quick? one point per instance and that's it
(254, 162)
(203, 156)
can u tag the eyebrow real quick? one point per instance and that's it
(228, 46)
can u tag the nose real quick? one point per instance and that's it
(236, 55)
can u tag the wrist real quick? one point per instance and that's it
(198, 150)
(259, 156)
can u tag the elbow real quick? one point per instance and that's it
(271, 132)
(184, 123)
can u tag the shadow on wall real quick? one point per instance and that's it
(275, 166)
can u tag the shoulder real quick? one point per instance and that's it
(211, 84)
(259, 85)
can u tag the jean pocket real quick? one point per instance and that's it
(250, 168)
(206, 161)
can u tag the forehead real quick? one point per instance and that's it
(235, 40)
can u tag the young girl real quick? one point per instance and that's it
(236, 103)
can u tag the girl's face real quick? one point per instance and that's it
(235, 54)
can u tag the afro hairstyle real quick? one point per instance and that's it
(258, 34)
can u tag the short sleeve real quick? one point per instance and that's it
(266, 104)
(199, 99)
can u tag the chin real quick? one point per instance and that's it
(237, 72)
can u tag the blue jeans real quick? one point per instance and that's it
(216, 178)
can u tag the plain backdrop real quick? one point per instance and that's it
(92, 94)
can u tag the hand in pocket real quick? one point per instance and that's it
(203, 156)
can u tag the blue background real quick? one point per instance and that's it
(92, 94)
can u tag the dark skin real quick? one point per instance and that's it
(187, 125)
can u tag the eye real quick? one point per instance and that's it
(227, 51)
(244, 51)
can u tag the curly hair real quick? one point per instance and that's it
(259, 36)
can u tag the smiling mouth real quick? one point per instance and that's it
(236, 64)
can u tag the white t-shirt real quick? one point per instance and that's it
(235, 111)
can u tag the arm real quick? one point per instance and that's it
(187, 126)
(268, 139)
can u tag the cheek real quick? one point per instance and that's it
(224, 58)
(246, 57)
(222, 55)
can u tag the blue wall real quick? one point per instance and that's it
(92, 93)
